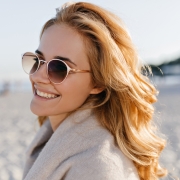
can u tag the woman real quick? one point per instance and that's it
(93, 102)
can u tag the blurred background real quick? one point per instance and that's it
(155, 29)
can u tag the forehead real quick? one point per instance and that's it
(62, 40)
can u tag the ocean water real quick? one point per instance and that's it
(15, 86)
(25, 85)
(166, 80)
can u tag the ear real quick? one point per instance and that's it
(97, 90)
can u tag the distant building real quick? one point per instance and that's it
(170, 68)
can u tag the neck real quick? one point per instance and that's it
(56, 120)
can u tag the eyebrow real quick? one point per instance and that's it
(57, 57)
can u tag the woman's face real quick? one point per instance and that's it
(61, 40)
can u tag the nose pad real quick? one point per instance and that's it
(40, 76)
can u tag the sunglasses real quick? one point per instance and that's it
(57, 70)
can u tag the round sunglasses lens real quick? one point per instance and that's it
(30, 63)
(57, 71)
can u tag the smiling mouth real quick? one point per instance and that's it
(46, 95)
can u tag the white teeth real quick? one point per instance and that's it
(46, 95)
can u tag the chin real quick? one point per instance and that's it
(38, 110)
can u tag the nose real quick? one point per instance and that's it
(40, 76)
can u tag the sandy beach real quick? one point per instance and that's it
(18, 126)
(167, 117)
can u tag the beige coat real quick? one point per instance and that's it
(80, 149)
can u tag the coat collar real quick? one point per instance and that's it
(49, 149)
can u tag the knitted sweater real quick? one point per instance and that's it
(79, 149)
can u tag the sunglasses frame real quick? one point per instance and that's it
(41, 62)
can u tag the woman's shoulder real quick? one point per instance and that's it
(104, 161)
(80, 148)
(95, 155)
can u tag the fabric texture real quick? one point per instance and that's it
(79, 149)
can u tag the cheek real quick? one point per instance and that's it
(75, 92)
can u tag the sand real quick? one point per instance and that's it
(168, 118)
(18, 126)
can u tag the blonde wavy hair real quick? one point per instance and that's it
(125, 106)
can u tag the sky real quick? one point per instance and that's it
(153, 25)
